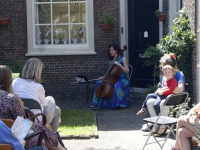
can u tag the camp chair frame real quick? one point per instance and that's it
(174, 99)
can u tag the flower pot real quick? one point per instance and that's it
(83, 41)
(38, 41)
(75, 40)
(161, 17)
(64, 41)
(56, 41)
(4, 21)
(46, 41)
(106, 26)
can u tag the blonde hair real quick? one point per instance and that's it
(5, 78)
(32, 70)
(167, 67)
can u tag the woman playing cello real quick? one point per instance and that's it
(121, 92)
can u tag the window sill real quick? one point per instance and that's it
(59, 51)
(62, 53)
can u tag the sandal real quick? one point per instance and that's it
(142, 111)
(155, 130)
(160, 134)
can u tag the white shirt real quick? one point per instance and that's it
(30, 89)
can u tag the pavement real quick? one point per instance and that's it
(118, 129)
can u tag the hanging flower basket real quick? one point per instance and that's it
(106, 26)
(161, 17)
(4, 21)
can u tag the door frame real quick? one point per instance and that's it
(124, 26)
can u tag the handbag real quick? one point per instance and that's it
(28, 114)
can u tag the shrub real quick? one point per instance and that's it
(150, 89)
(184, 111)
(152, 55)
(15, 66)
(180, 42)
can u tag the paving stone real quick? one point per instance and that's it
(118, 129)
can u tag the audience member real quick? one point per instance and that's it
(10, 108)
(29, 87)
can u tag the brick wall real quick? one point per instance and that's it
(165, 23)
(59, 71)
(190, 7)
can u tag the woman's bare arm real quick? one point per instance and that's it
(179, 88)
(125, 68)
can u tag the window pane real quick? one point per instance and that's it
(60, 34)
(42, 0)
(42, 14)
(60, 13)
(42, 34)
(78, 34)
(77, 13)
(76, 0)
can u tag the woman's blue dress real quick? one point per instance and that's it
(121, 92)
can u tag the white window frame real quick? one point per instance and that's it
(174, 7)
(73, 49)
(178, 7)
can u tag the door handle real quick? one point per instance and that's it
(141, 55)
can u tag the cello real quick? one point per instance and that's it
(106, 88)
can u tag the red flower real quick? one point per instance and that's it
(172, 56)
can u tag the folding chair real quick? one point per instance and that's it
(31, 104)
(34, 106)
(130, 75)
(174, 99)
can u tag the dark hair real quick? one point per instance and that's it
(169, 59)
(116, 48)
(5, 78)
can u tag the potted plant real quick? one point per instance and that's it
(160, 15)
(4, 21)
(56, 39)
(107, 20)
